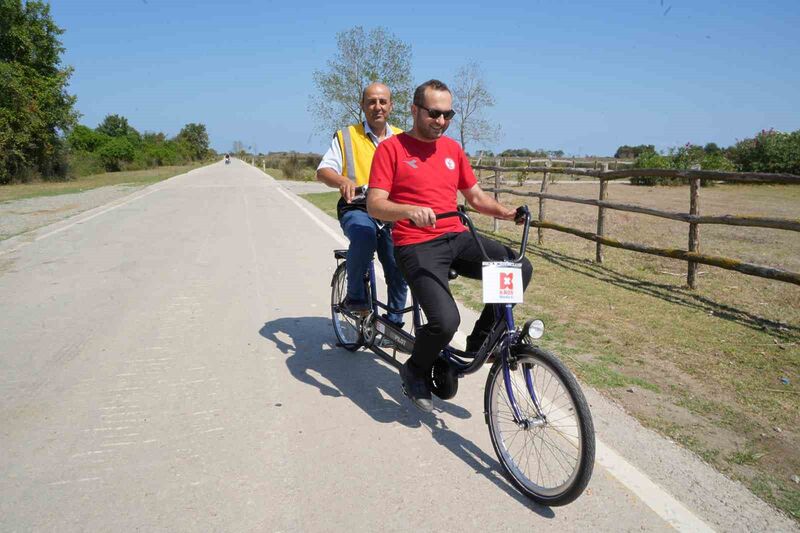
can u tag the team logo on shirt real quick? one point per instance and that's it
(411, 162)
(449, 163)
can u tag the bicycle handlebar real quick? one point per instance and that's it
(523, 214)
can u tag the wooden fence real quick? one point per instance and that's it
(692, 254)
(596, 164)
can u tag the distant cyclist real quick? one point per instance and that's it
(414, 176)
(345, 166)
(227, 159)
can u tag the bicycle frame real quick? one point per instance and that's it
(500, 340)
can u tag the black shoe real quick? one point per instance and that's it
(356, 307)
(475, 341)
(416, 388)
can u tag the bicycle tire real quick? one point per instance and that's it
(525, 450)
(347, 328)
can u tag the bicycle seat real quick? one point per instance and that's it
(452, 274)
(340, 254)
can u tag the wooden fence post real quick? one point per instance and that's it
(601, 215)
(543, 189)
(495, 223)
(694, 230)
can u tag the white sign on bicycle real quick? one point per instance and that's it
(502, 282)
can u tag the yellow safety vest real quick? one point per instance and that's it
(357, 151)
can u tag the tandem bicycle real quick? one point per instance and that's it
(539, 421)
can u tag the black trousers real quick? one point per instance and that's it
(425, 267)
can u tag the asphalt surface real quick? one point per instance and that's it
(167, 363)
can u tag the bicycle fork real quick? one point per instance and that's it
(524, 423)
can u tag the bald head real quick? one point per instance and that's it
(376, 102)
(373, 87)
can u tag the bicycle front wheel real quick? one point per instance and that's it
(346, 326)
(549, 454)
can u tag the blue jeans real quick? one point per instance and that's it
(365, 240)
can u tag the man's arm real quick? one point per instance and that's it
(485, 204)
(379, 206)
(329, 172)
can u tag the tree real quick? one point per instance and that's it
(115, 126)
(116, 152)
(35, 108)
(362, 58)
(768, 151)
(470, 99)
(85, 139)
(195, 137)
(632, 152)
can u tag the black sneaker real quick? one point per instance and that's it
(475, 341)
(416, 388)
(474, 344)
(356, 307)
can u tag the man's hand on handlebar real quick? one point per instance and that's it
(422, 216)
(517, 215)
(348, 191)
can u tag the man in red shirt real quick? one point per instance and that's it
(414, 176)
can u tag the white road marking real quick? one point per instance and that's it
(663, 503)
(660, 501)
(80, 221)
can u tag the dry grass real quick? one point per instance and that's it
(714, 359)
(49, 188)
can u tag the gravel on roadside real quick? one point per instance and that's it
(20, 216)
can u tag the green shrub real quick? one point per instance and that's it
(769, 151)
(84, 139)
(115, 153)
(651, 159)
(84, 164)
(686, 157)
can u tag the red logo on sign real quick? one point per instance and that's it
(507, 280)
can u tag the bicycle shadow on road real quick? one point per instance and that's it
(375, 388)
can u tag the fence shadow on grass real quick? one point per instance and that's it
(359, 376)
(669, 293)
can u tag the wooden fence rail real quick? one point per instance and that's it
(692, 255)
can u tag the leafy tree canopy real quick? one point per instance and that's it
(632, 152)
(116, 126)
(195, 137)
(34, 105)
(362, 58)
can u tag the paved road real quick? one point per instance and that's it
(166, 363)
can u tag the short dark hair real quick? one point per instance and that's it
(419, 92)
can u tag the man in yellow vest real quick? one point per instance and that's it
(346, 166)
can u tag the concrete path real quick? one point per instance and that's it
(167, 363)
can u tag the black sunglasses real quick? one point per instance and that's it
(435, 113)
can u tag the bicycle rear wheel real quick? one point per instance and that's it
(346, 326)
(550, 455)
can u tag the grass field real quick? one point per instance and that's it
(50, 188)
(716, 369)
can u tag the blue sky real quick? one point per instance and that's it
(580, 76)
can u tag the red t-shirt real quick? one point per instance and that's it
(426, 174)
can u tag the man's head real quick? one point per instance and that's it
(376, 102)
(432, 110)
